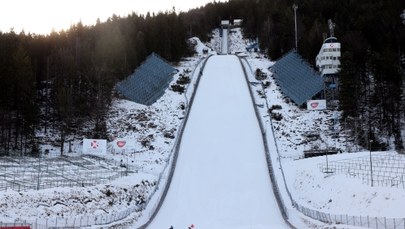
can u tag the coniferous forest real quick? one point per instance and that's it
(64, 81)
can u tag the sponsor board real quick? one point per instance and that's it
(15, 227)
(94, 146)
(316, 104)
(124, 144)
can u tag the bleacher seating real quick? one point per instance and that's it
(149, 81)
(296, 78)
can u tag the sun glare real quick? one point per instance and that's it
(44, 16)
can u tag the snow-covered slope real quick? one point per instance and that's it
(153, 129)
(339, 194)
(221, 178)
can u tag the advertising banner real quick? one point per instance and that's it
(15, 227)
(95, 146)
(124, 144)
(316, 104)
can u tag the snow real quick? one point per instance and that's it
(341, 194)
(224, 173)
(221, 178)
(199, 46)
(224, 43)
(334, 193)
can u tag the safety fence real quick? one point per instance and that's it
(275, 186)
(76, 222)
(28, 173)
(84, 220)
(377, 170)
(359, 221)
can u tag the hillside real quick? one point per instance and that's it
(335, 193)
(346, 192)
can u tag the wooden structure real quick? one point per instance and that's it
(320, 152)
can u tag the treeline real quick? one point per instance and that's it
(372, 34)
(61, 84)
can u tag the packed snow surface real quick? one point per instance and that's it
(221, 178)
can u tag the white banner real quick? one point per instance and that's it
(316, 104)
(95, 146)
(124, 144)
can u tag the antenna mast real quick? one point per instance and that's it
(331, 27)
(295, 7)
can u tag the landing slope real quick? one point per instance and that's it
(221, 179)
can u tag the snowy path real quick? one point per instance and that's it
(221, 179)
(224, 41)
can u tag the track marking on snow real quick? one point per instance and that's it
(221, 179)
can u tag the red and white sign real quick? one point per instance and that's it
(316, 104)
(94, 146)
(124, 144)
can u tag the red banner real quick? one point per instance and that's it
(15, 227)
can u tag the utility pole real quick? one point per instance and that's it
(371, 164)
(295, 7)
(39, 172)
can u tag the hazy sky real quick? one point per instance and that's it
(43, 16)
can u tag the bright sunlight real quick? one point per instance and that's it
(45, 16)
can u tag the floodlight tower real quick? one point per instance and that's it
(295, 7)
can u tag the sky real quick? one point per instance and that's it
(45, 16)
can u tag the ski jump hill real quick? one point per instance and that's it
(221, 177)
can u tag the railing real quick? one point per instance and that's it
(359, 221)
(276, 190)
(76, 222)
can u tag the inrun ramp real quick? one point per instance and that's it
(221, 179)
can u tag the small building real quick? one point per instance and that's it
(237, 22)
(225, 24)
